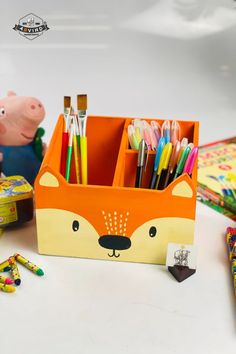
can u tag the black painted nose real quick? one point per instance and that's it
(114, 242)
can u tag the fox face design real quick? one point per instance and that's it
(82, 221)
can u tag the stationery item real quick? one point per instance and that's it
(82, 119)
(5, 280)
(7, 288)
(191, 145)
(172, 163)
(156, 129)
(165, 131)
(69, 152)
(14, 271)
(138, 126)
(5, 266)
(175, 132)
(181, 163)
(215, 201)
(16, 201)
(76, 152)
(163, 166)
(65, 136)
(181, 260)
(183, 145)
(231, 245)
(216, 167)
(149, 136)
(138, 135)
(141, 163)
(26, 263)
(189, 164)
(132, 137)
(159, 150)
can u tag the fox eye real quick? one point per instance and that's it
(75, 225)
(2, 111)
(152, 231)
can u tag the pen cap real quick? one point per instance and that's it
(165, 157)
(160, 148)
(132, 137)
(174, 156)
(175, 132)
(188, 167)
(142, 153)
(156, 128)
(165, 130)
(182, 161)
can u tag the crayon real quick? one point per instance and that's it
(28, 264)
(5, 280)
(14, 271)
(4, 265)
(7, 288)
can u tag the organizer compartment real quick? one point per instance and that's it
(111, 221)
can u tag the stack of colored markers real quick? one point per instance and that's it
(10, 265)
(74, 140)
(174, 154)
(231, 243)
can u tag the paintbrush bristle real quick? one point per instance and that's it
(67, 101)
(82, 102)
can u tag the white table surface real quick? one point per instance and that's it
(90, 306)
(140, 64)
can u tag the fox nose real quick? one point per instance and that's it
(114, 242)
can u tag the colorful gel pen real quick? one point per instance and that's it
(156, 128)
(159, 150)
(189, 164)
(141, 163)
(183, 145)
(147, 138)
(165, 130)
(175, 132)
(163, 166)
(172, 163)
(181, 163)
(132, 137)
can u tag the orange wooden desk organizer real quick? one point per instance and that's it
(109, 218)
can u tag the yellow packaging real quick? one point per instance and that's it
(16, 201)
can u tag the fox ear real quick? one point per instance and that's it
(48, 180)
(11, 93)
(182, 189)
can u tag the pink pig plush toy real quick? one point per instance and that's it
(20, 138)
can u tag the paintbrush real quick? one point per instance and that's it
(65, 135)
(82, 120)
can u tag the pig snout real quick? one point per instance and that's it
(34, 109)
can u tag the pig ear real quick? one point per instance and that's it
(11, 93)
